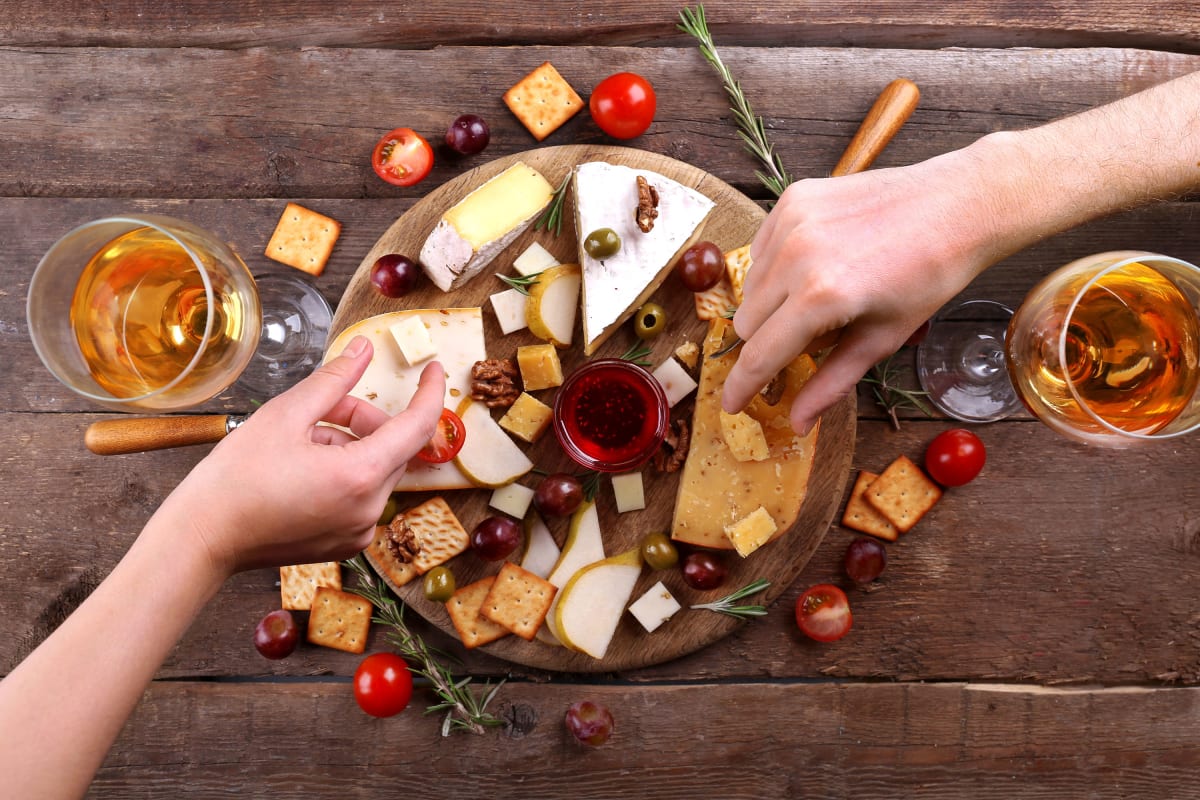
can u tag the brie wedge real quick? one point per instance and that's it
(478, 228)
(606, 196)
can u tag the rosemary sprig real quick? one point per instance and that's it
(551, 218)
(522, 283)
(727, 604)
(637, 354)
(750, 125)
(591, 484)
(884, 380)
(464, 710)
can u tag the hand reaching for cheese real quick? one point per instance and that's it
(284, 490)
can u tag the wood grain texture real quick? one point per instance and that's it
(828, 740)
(285, 123)
(1170, 24)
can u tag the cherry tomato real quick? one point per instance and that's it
(402, 157)
(954, 457)
(823, 613)
(447, 439)
(383, 685)
(623, 105)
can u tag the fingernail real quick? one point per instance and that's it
(805, 427)
(356, 347)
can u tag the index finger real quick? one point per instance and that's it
(398, 439)
(781, 338)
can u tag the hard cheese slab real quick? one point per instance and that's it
(732, 224)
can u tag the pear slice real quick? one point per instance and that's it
(553, 304)
(488, 458)
(584, 545)
(591, 604)
(541, 551)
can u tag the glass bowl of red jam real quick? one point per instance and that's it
(611, 415)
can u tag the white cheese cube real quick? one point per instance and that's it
(655, 607)
(676, 383)
(627, 488)
(510, 306)
(413, 339)
(533, 260)
(513, 499)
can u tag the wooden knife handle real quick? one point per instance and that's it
(112, 437)
(891, 109)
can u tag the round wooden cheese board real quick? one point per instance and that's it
(732, 223)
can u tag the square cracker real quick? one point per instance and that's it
(737, 264)
(543, 101)
(339, 620)
(463, 608)
(714, 303)
(303, 239)
(298, 584)
(861, 516)
(903, 494)
(518, 600)
(439, 534)
(396, 571)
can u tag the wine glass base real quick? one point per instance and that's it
(295, 324)
(961, 363)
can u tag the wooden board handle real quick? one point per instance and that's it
(891, 110)
(112, 437)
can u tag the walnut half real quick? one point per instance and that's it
(674, 450)
(401, 540)
(647, 210)
(494, 382)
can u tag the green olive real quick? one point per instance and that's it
(439, 584)
(389, 512)
(649, 321)
(658, 551)
(602, 243)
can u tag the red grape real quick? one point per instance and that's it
(703, 571)
(701, 266)
(590, 722)
(558, 495)
(495, 538)
(395, 275)
(865, 560)
(468, 134)
(276, 634)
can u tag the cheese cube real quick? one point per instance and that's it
(627, 488)
(676, 383)
(527, 418)
(688, 353)
(751, 531)
(743, 435)
(540, 367)
(413, 339)
(533, 260)
(513, 499)
(509, 306)
(655, 607)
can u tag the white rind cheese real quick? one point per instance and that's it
(478, 228)
(606, 197)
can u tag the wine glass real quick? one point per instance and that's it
(1105, 350)
(150, 313)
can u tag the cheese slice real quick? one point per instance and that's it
(389, 382)
(716, 491)
(606, 197)
(478, 228)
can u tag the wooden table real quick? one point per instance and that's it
(1036, 635)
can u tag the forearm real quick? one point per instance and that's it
(61, 709)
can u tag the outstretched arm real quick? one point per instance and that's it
(874, 255)
(281, 490)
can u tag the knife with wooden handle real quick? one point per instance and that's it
(112, 437)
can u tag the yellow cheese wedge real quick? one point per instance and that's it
(716, 490)
(474, 231)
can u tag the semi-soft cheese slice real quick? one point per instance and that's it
(389, 382)
(606, 196)
(716, 490)
(475, 230)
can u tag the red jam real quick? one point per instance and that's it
(610, 415)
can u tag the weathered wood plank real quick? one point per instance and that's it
(1085, 577)
(407, 24)
(826, 740)
(271, 123)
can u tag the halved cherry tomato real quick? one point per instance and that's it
(402, 157)
(823, 613)
(383, 685)
(447, 439)
(954, 457)
(623, 105)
